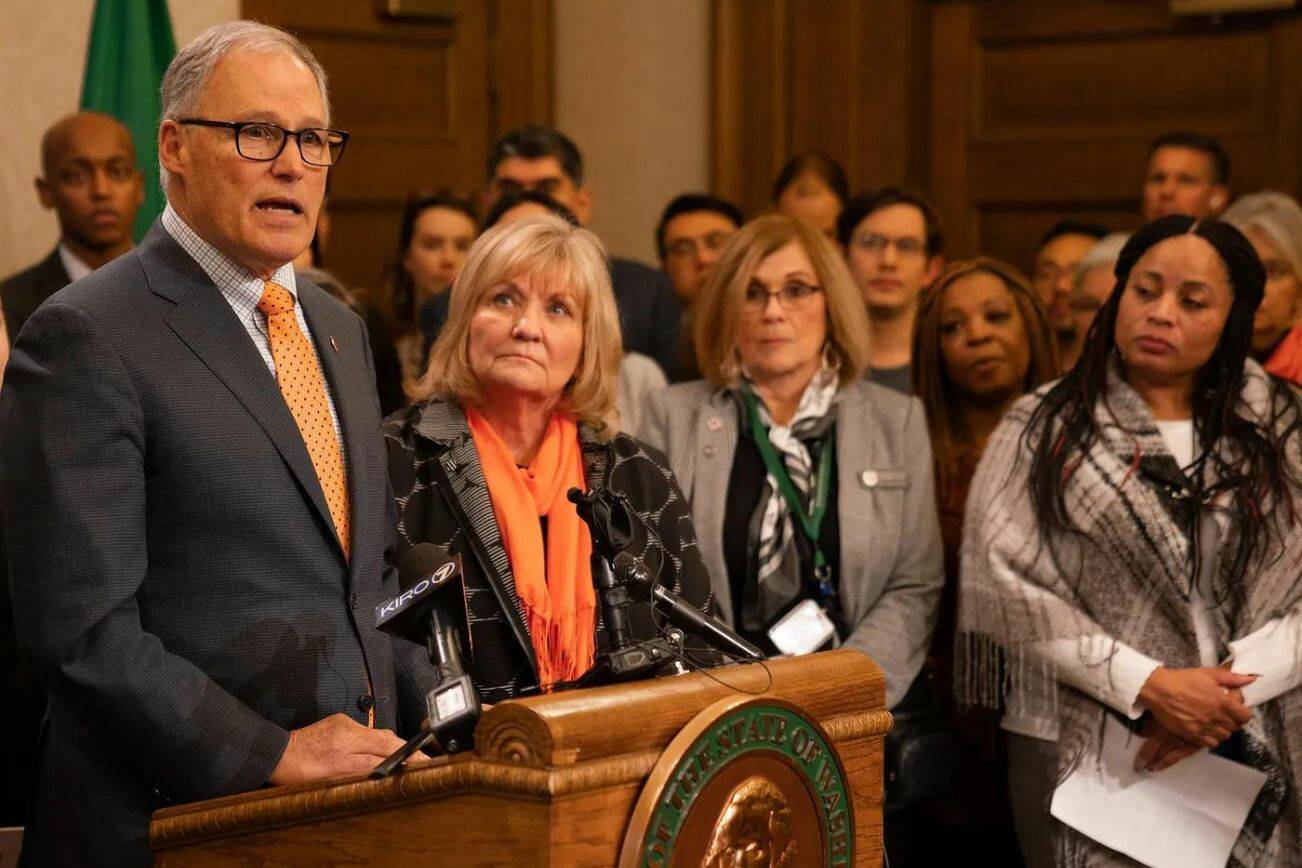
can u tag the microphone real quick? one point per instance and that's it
(611, 529)
(424, 574)
(432, 590)
(682, 614)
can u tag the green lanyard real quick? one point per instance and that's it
(811, 521)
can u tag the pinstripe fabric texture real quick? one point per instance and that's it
(441, 498)
(242, 290)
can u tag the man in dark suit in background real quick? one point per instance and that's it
(195, 486)
(90, 180)
(540, 159)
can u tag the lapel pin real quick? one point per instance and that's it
(713, 424)
(334, 343)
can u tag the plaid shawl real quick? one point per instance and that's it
(1127, 574)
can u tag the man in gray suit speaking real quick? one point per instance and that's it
(194, 482)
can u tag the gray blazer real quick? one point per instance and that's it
(176, 576)
(891, 569)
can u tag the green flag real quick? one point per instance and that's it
(131, 44)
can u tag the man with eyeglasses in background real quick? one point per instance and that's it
(194, 482)
(1060, 252)
(541, 159)
(689, 238)
(893, 245)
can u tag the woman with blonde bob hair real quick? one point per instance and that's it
(812, 487)
(517, 407)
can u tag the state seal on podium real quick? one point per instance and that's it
(748, 781)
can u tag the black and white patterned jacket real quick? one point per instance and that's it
(441, 498)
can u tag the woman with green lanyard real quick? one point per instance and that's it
(811, 489)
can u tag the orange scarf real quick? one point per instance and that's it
(1286, 361)
(557, 593)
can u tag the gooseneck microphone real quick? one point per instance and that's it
(632, 574)
(609, 518)
(428, 612)
(611, 530)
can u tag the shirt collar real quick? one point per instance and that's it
(232, 278)
(72, 264)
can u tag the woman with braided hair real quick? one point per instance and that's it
(1132, 546)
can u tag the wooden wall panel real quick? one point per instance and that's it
(1047, 89)
(842, 76)
(423, 99)
(1043, 111)
(520, 61)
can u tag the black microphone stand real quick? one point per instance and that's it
(608, 520)
(452, 706)
(621, 579)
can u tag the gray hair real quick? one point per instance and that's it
(1105, 253)
(1275, 215)
(192, 68)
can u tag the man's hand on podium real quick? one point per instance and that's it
(337, 745)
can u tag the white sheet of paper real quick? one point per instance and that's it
(1187, 816)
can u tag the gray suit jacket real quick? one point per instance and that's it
(176, 576)
(891, 568)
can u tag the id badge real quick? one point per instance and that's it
(803, 630)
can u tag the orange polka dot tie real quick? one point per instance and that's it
(298, 370)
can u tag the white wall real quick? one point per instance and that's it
(43, 55)
(633, 91)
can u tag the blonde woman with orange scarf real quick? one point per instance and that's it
(516, 407)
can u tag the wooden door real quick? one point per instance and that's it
(423, 91)
(1043, 109)
(841, 76)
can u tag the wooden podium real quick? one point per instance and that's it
(696, 769)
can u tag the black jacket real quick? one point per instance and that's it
(650, 315)
(22, 293)
(175, 572)
(439, 487)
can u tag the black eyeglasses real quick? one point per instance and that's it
(263, 142)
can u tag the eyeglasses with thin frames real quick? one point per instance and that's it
(791, 296)
(874, 243)
(263, 142)
(685, 247)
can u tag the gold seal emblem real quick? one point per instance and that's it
(749, 782)
(754, 828)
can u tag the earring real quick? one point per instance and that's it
(831, 358)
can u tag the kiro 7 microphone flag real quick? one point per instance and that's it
(131, 44)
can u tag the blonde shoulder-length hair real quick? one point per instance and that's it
(718, 310)
(551, 249)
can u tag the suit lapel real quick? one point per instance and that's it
(208, 326)
(52, 275)
(334, 342)
(466, 494)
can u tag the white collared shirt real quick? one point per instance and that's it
(72, 264)
(242, 290)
